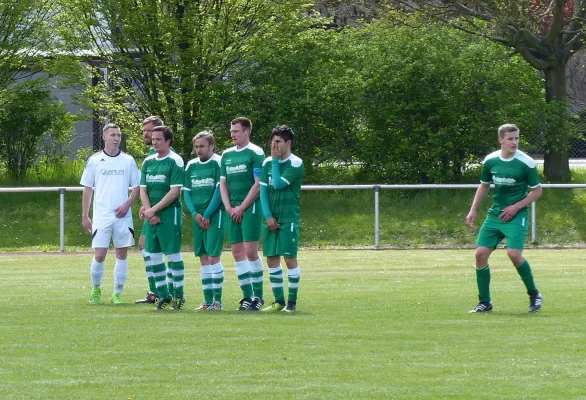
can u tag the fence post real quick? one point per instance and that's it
(376, 221)
(62, 219)
(533, 223)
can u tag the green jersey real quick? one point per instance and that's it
(511, 178)
(284, 195)
(240, 167)
(159, 175)
(201, 179)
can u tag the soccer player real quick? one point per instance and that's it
(239, 184)
(203, 199)
(161, 181)
(107, 176)
(151, 297)
(280, 184)
(512, 173)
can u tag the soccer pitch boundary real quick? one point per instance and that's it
(371, 324)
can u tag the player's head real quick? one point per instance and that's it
(112, 137)
(147, 127)
(204, 145)
(509, 139)
(283, 137)
(240, 129)
(162, 138)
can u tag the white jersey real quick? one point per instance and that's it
(110, 177)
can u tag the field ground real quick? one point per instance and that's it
(371, 324)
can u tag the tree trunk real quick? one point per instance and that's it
(556, 162)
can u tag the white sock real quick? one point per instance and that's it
(242, 270)
(120, 273)
(97, 271)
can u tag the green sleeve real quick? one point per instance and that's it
(485, 176)
(264, 201)
(214, 203)
(533, 179)
(177, 176)
(189, 202)
(143, 175)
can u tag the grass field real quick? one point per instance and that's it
(371, 324)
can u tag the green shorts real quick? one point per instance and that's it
(144, 228)
(209, 242)
(493, 231)
(165, 237)
(284, 242)
(249, 229)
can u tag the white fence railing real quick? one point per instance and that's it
(375, 188)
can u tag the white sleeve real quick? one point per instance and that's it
(88, 178)
(134, 174)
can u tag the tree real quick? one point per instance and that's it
(433, 98)
(545, 33)
(30, 121)
(170, 55)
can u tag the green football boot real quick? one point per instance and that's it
(95, 295)
(273, 307)
(116, 298)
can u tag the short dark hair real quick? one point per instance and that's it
(167, 132)
(153, 119)
(284, 132)
(245, 122)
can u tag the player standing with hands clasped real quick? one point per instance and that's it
(512, 173)
(161, 182)
(239, 184)
(108, 176)
(204, 202)
(280, 185)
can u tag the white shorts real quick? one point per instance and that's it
(120, 230)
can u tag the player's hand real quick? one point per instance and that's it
(470, 218)
(121, 211)
(148, 213)
(272, 224)
(508, 213)
(198, 218)
(154, 220)
(86, 222)
(205, 223)
(275, 150)
(183, 215)
(141, 212)
(237, 213)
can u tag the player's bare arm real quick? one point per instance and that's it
(481, 193)
(123, 209)
(86, 201)
(508, 213)
(169, 198)
(251, 197)
(225, 195)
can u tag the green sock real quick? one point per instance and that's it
(293, 277)
(256, 275)
(524, 271)
(218, 280)
(483, 282)
(177, 269)
(146, 256)
(161, 279)
(207, 284)
(243, 273)
(276, 280)
(170, 280)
